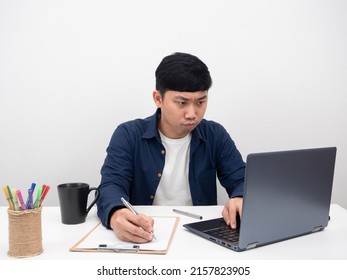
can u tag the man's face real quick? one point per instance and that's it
(181, 112)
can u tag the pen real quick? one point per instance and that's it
(131, 208)
(38, 196)
(44, 193)
(20, 198)
(33, 185)
(30, 199)
(11, 198)
(30, 204)
(15, 200)
(192, 215)
(5, 190)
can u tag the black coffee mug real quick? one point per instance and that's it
(73, 199)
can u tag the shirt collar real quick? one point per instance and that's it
(152, 128)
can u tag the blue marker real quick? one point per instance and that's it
(29, 203)
(33, 185)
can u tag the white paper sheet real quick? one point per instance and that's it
(163, 228)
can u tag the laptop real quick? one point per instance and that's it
(286, 194)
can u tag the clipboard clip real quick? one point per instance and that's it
(119, 248)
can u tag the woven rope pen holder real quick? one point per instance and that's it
(24, 233)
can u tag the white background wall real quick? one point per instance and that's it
(71, 71)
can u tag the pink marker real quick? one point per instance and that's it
(20, 198)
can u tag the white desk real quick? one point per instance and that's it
(58, 238)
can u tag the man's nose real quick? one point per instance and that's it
(191, 112)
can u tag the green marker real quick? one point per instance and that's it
(38, 197)
(11, 197)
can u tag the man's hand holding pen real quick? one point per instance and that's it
(131, 227)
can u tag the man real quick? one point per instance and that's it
(172, 157)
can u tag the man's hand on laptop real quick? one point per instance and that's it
(230, 210)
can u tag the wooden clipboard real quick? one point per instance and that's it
(99, 239)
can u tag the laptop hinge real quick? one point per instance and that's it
(317, 228)
(252, 245)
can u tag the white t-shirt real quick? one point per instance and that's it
(173, 187)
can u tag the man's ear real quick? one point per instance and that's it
(157, 98)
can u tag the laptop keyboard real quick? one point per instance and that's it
(224, 232)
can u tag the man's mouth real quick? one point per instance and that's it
(190, 125)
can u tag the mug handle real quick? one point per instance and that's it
(97, 194)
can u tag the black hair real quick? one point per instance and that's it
(182, 72)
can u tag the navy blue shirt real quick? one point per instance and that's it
(136, 157)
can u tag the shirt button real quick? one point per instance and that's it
(163, 152)
(151, 197)
(159, 174)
